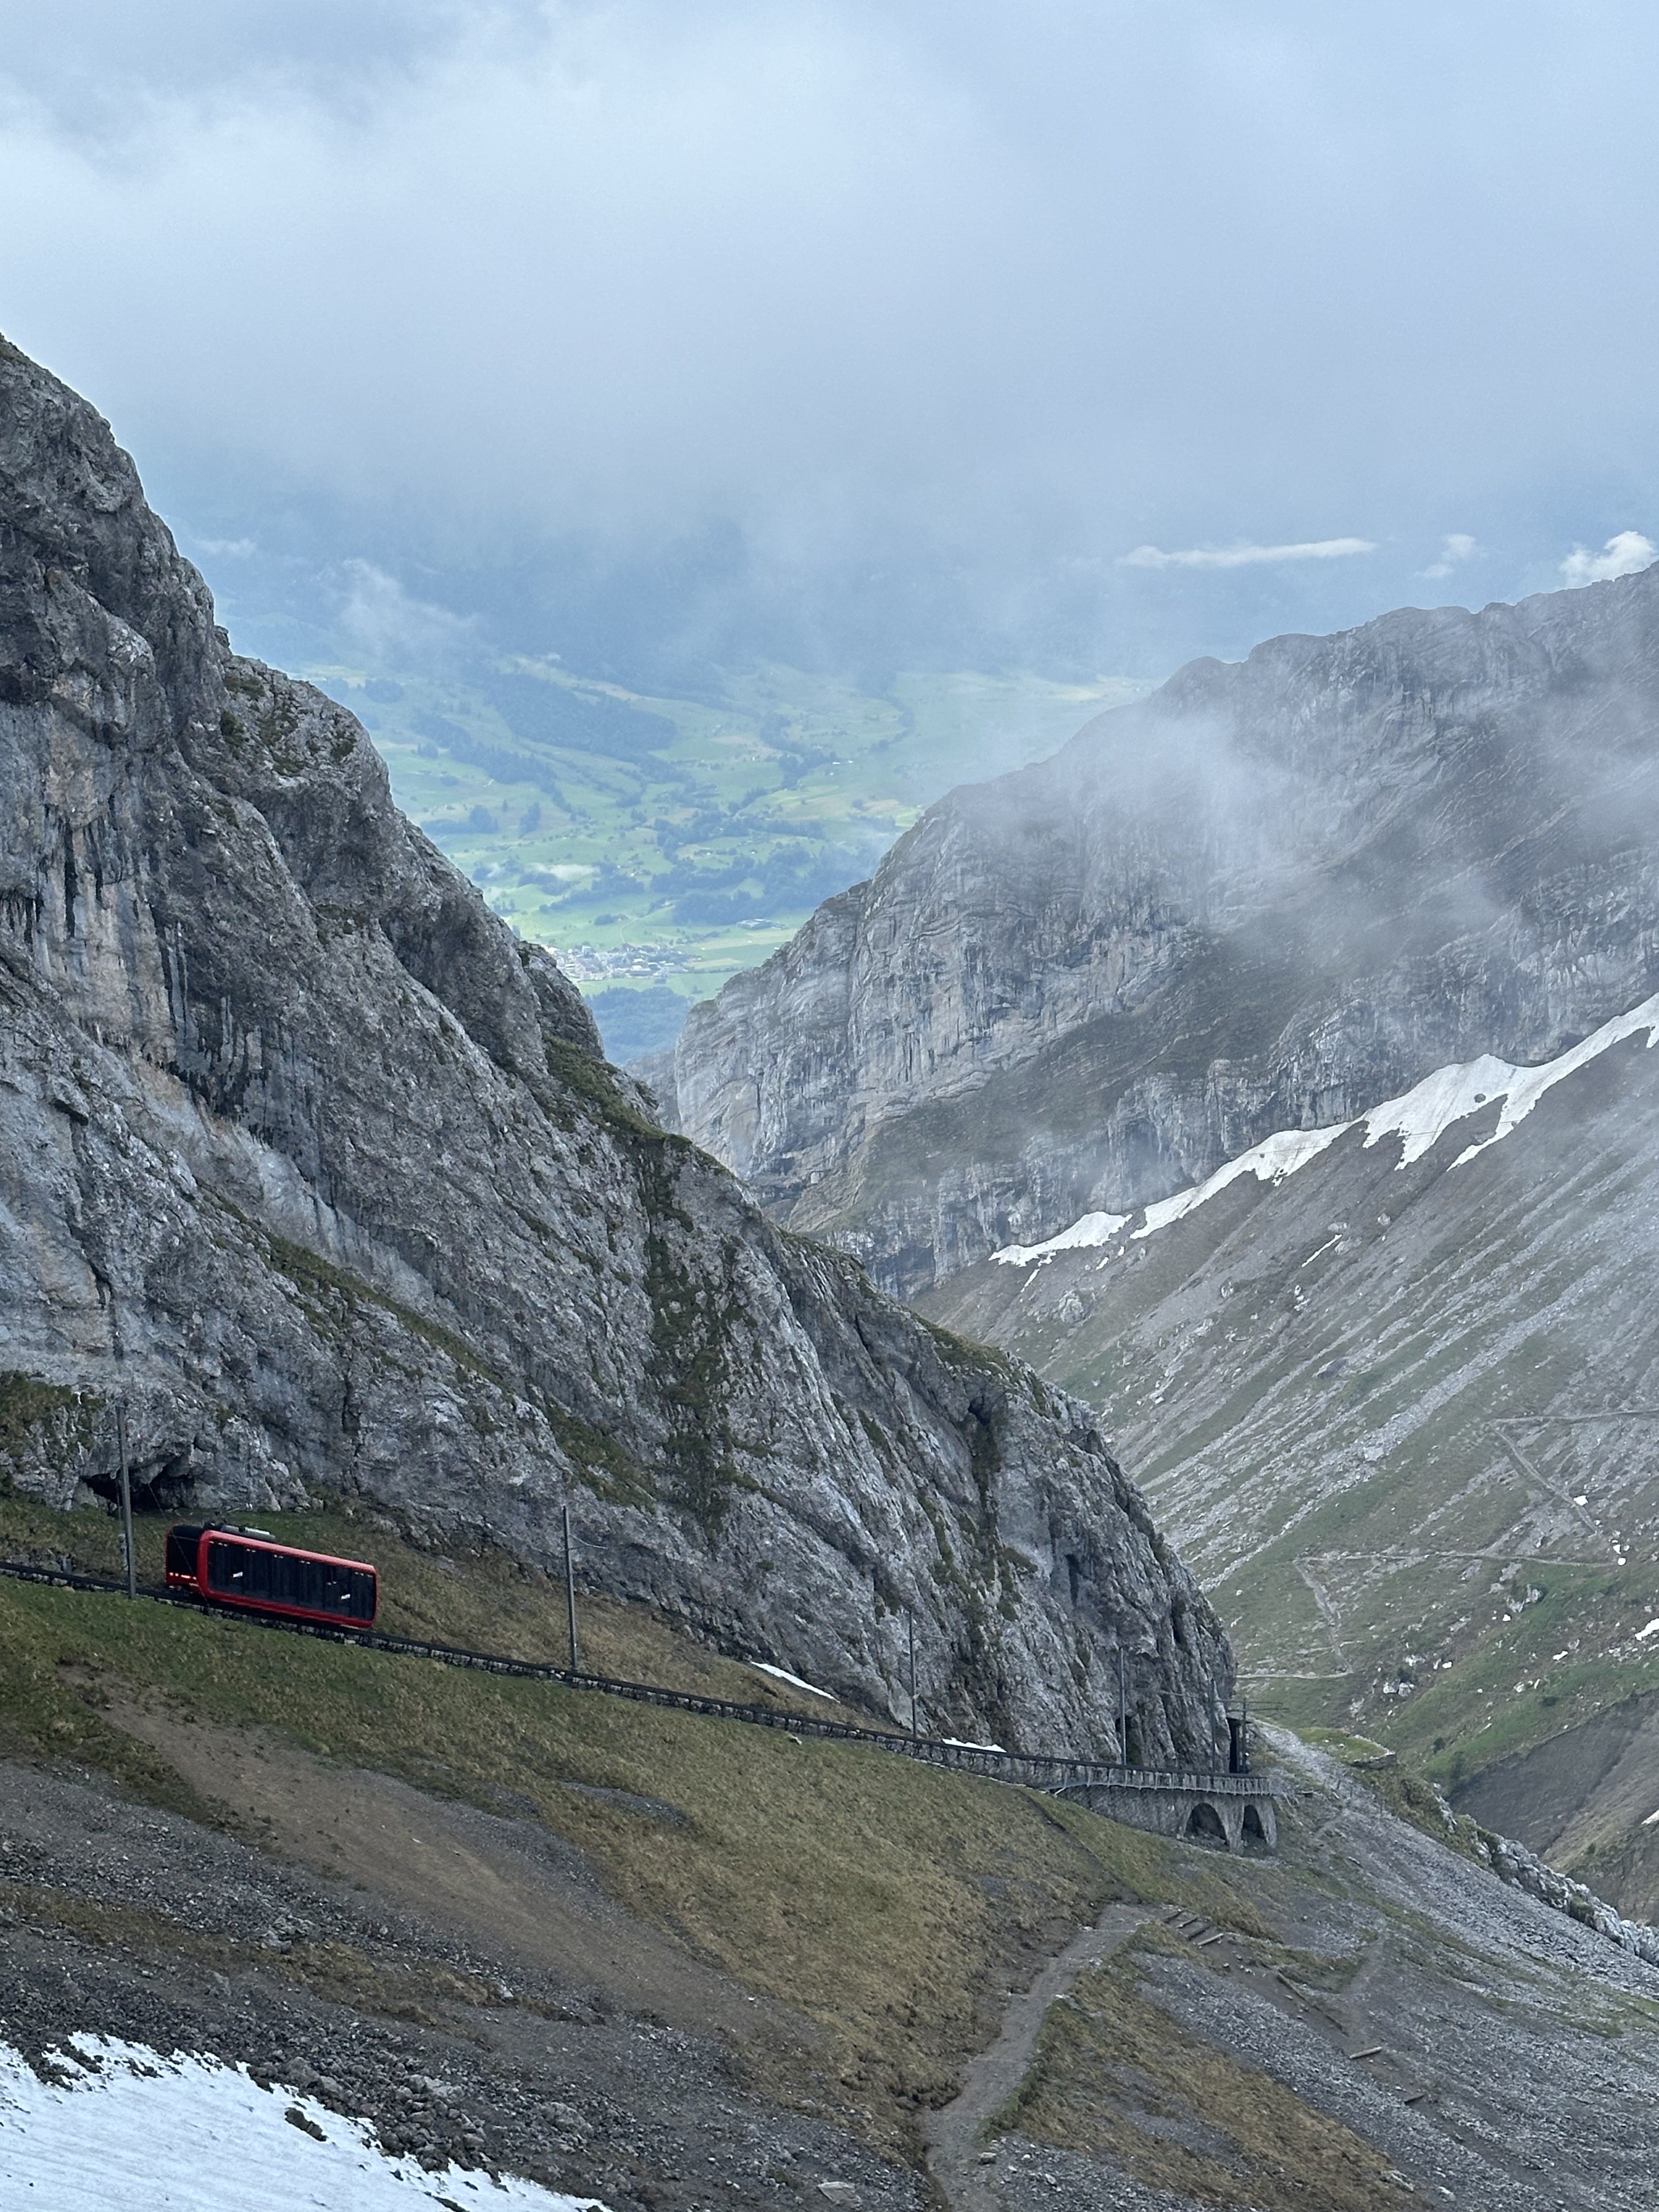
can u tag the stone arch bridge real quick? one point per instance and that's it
(1233, 1810)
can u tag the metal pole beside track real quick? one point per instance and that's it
(910, 1620)
(126, 1502)
(570, 1591)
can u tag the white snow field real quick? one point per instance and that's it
(132, 2131)
(1094, 1228)
(1421, 1116)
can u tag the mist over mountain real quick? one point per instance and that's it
(1266, 897)
(1271, 1068)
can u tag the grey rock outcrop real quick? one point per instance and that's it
(1512, 1863)
(310, 1162)
(1266, 897)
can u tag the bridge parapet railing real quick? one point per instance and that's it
(1196, 1781)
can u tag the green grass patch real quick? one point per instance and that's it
(888, 1902)
(885, 1901)
(1115, 2073)
(1352, 1750)
(664, 843)
(849, 1884)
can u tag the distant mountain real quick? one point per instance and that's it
(317, 1170)
(1265, 897)
(1393, 1386)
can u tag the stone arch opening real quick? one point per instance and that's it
(1252, 1834)
(1205, 1823)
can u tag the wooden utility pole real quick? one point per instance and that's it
(910, 1623)
(126, 1502)
(570, 1591)
(1122, 1713)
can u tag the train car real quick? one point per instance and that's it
(245, 1568)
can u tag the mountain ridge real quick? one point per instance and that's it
(1267, 895)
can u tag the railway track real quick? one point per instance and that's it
(1036, 1769)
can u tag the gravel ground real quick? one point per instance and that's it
(1498, 2057)
(124, 1921)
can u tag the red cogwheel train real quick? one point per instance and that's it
(251, 1571)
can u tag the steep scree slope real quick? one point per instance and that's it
(304, 1156)
(1263, 899)
(1399, 1407)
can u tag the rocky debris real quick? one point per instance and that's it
(1265, 898)
(1490, 2051)
(1523, 1869)
(1475, 2050)
(1512, 1863)
(310, 1162)
(117, 1919)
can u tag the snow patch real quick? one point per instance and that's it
(1082, 1236)
(957, 1744)
(1643, 1634)
(1530, 1084)
(128, 2128)
(782, 1674)
(1420, 1116)
(1271, 1161)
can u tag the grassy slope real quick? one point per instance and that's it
(1114, 2072)
(888, 1903)
(892, 1906)
(704, 840)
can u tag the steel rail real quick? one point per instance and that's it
(1048, 1771)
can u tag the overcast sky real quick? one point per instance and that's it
(1090, 334)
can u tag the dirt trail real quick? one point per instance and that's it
(952, 2134)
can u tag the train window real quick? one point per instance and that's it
(291, 1580)
(225, 1567)
(182, 1543)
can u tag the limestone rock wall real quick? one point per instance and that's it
(311, 1163)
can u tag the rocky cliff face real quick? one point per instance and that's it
(1264, 898)
(307, 1160)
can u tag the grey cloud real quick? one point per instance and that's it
(965, 297)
